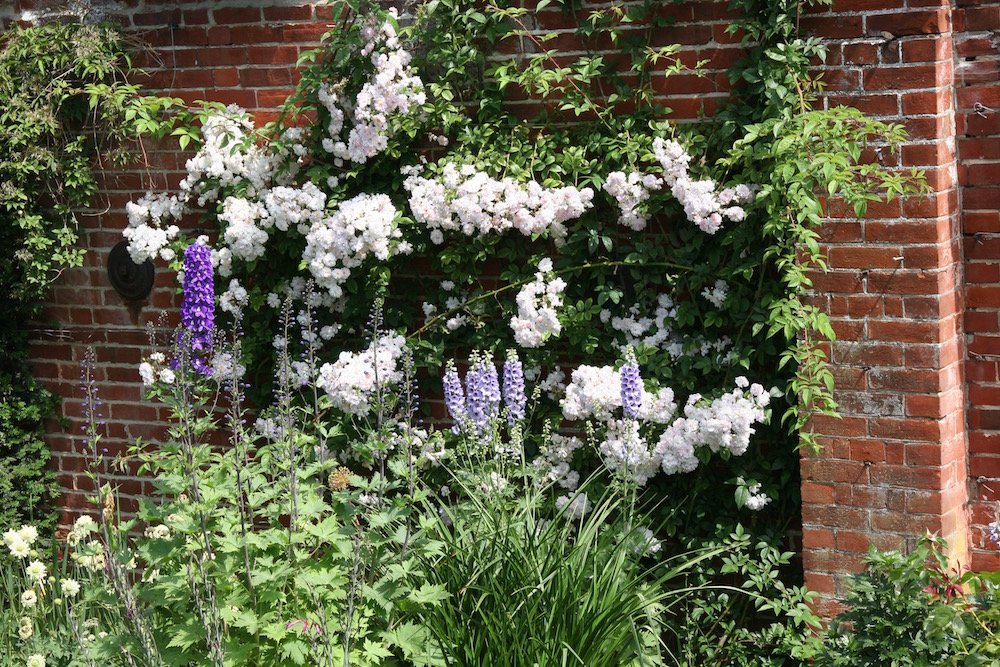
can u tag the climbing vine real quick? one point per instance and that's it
(66, 111)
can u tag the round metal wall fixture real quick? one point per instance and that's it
(133, 281)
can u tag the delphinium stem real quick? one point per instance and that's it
(79, 637)
(285, 413)
(119, 581)
(309, 334)
(237, 417)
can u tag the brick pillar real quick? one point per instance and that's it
(895, 464)
(977, 82)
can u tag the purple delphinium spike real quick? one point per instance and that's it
(482, 387)
(491, 387)
(474, 402)
(454, 396)
(631, 386)
(198, 306)
(513, 388)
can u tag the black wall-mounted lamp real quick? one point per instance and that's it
(133, 281)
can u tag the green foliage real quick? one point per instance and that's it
(571, 119)
(552, 589)
(903, 611)
(974, 620)
(256, 554)
(714, 623)
(65, 107)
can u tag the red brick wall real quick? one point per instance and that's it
(894, 464)
(242, 52)
(214, 50)
(977, 121)
(913, 289)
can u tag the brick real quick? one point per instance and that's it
(922, 231)
(268, 55)
(834, 471)
(870, 496)
(835, 517)
(259, 77)
(904, 523)
(897, 78)
(271, 99)
(832, 561)
(932, 405)
(926, 50)
(982, 18)
(926, 430)
(971, 47)
(925, 102)
(982, 296)
(905, 477)
(868, 451)
(307, 32)
(192, 36)
(219, 35)
(980, 71)
(861, 53)
(814, 492)
(818, 538)
(832, 27)
(820, 583)
(218, 56)
(980, 221)
(236, 15)
(910, 23)
(226, 77)
(244, 98)
(195, 17)
(866, 306)
(904, 331)
(850, 257)
(288, 13)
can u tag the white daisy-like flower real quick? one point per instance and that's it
(70, 587)
(36, 570)
(29, 599)
(19, 548)
(29, 534)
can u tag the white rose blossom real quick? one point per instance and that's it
(463, 199)
(538, 304)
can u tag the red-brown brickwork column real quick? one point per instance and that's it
(895, 464)
(977, 45)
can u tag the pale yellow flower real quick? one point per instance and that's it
(70, 587)
(29, 598)
(36, 570)
(19, 548)
(29, 534)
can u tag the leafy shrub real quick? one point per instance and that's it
(974, 622)
(903, 610)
